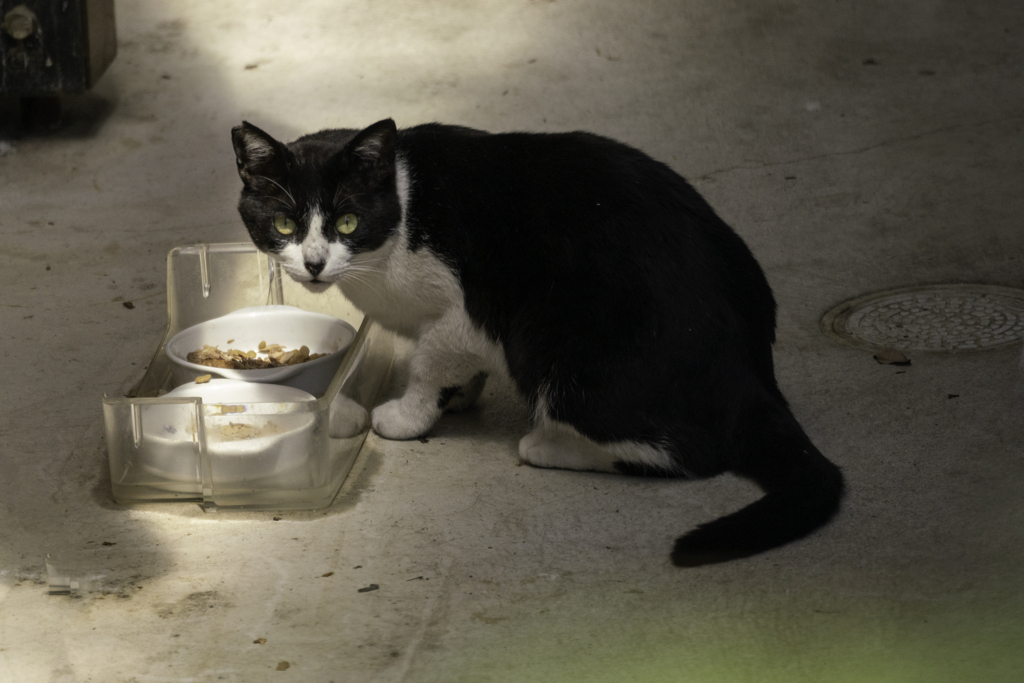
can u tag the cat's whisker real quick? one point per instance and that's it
(356, 263)
(356, 269)
(294, 205)
(339, 200)
(354, 276)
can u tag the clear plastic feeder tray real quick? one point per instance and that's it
(281, 455)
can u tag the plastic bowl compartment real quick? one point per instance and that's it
(244, 329)
(251, 433)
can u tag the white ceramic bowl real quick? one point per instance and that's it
(272, 442)
(246, 328)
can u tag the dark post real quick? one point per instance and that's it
(50, 48)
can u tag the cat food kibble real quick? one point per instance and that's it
(235, 359)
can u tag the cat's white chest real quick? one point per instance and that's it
(404, 291)
(417, 296)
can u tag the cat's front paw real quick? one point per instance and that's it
(400, 419)
(347, 418)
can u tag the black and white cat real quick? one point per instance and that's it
(636, 323)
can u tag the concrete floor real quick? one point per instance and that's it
(857, 146)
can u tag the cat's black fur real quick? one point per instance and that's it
(610, 284)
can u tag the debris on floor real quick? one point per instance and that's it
(892, 357)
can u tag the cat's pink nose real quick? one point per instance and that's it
(315, 267)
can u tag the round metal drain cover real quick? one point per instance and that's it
(943, 318)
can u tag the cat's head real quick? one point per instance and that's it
(318, 202)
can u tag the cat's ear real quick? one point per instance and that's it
(259, 156)
(372, 150)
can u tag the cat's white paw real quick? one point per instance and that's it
(401, 419)
(347, 418)
(542, 448)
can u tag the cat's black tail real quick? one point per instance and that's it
(802, 492)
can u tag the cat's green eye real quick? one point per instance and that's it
(284, 225)
(346, 225)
